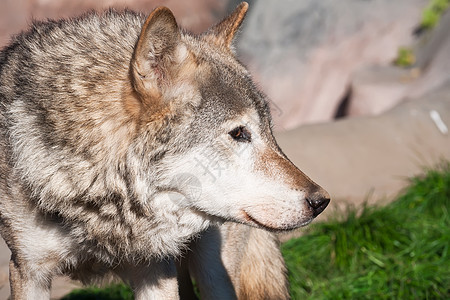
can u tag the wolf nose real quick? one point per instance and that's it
(318, 200)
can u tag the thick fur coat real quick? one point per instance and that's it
(105, 124)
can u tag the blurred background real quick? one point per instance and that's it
(317, 60)
(359, 89)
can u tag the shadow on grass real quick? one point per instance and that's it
(112, 292)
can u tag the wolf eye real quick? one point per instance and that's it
(241, 134)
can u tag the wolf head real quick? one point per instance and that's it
(221, 157)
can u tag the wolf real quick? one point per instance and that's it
(106, 123)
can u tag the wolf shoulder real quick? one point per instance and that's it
(69, 56)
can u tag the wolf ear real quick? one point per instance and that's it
(154, 52)
(223, 33)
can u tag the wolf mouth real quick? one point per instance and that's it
(254, 221)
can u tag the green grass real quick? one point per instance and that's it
(112, 292)
(405, 57)
(430, 18)
(433, 12)
(399, 251)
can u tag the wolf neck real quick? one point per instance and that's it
(133, 224)
(131, 219)
(104, 197)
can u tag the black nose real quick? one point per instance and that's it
(318, 201)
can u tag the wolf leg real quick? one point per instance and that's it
(26, 285)
(263, 273)
(38, 249)
(235, 261)
(153, 282)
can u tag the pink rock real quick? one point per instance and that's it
(17, 15)
(303, 54)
